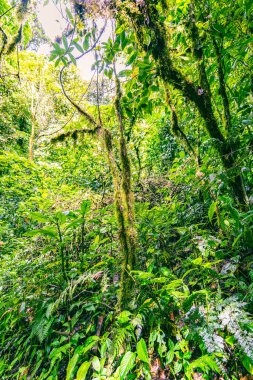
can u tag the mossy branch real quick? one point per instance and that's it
(16, 40)
(222, 84)
(5, 40)
(74, 134)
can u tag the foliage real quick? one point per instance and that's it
(138, 158)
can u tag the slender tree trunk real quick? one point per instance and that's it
(32, 135)
(128, 206)
(223, 91)
(126, 283)
(31, 142)
(123, 197)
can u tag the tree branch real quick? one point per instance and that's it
(82, 111)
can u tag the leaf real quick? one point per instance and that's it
(57, 47)
(142, 351)
(230, 340)
(86, 42)
(124, 40)
(126, 364)
(79, 47)
(50, 231)
(85, 206)
(125, 73)
(170, 356)
(177, 367)
(75, 223)
(96, 364)
(71, 366)
(212, 210)
(173, 285)
(203, 363)
(70, 16)
(147, 39)
(82, 371)
(132, 58)
(197, 261)
(38, 217)
(142, 275)
(203, 293)
(65, 42)
(124, 316)
(248, 364)
(89, 343)
(72, 58)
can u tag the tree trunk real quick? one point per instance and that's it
(31, 142)
(125, 233)
(199, 96)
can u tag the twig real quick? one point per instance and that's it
(8, 10)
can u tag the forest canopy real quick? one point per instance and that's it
(126, 222)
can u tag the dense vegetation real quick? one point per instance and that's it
(126, 231)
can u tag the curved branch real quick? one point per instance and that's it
(94, 44)
(83, 112)
(71, 117)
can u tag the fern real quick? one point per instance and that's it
(119, 336)
(41, 327)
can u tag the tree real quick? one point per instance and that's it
(149, 23)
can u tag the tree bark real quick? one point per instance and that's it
(201, 97)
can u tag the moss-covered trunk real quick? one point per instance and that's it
(125, 224)
(200, 96)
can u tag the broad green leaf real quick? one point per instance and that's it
(96, 364)
(142, 351)
(127, 363)
(57, 47)
(124, 40)
(89, 343)
(132, 58)
(71, 366)
(142, 275)
(75, 223)
(82, 371)
(173, 285)
(125, 73)
(212, 210)
(49, 231)
(124, 316)
(204, 363)
(177, 367)
(170, 356)
(197, 261)
(248, 364)
(39, 217)
(230, 340)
